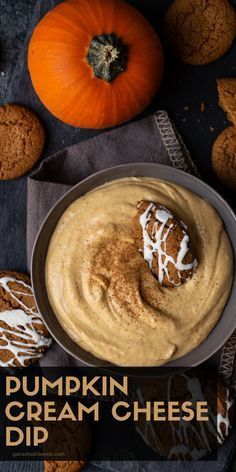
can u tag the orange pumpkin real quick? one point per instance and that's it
(95, 63)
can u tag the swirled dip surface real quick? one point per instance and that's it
(102, 291)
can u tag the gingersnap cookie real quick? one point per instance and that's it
(164, 243)
(227, 97)
(22, 140)
(23, 335)
(223, 157)
(200, 31)
(63, 466)
(72, 439)
(187, 440)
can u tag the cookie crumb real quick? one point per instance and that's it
(186, 108)
(202, 107)
(212, 128)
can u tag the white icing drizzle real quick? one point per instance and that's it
(224, 420)
(154, 245)
(180, 430)
(149, 428)
(20, 322)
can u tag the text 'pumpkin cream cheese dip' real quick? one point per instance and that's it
(111, 293)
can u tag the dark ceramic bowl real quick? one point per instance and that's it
(227, 323)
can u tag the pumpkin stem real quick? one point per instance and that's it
(107, 56)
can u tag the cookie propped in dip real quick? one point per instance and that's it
(165, 244)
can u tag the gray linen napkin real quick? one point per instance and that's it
(152, 139)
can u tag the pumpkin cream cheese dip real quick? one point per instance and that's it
(103, 292)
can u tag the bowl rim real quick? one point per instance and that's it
(189, 360)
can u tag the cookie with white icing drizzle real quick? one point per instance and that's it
(73, 439)
(187, 440)
(23, 335)
(164, 243)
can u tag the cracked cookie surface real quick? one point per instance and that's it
(22, 140)
(224, 157)
(227, 97)
(63, 466)
(200, 31)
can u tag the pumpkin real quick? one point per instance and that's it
(95, 63)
